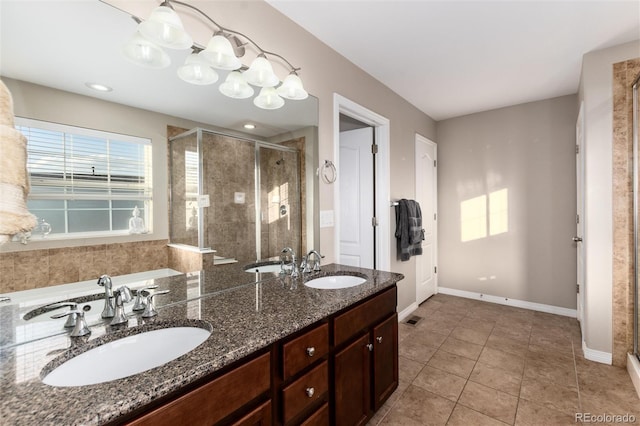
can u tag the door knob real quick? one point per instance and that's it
(577, 239)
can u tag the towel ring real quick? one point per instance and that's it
(327, 172)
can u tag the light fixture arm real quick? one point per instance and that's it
(228, 30)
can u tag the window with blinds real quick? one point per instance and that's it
(86, 182)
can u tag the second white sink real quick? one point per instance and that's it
(331, 282)
(127, 356)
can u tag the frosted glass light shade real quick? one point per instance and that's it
(165, 28)
(197, 71)
(220, 55)
(260, 73)
(143, 52)
(268, 99)
(291, 88)
(235, 86)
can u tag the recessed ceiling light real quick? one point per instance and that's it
(249, 126)
(99, 87)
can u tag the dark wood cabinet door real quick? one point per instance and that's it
(385, 360)
(352, 383)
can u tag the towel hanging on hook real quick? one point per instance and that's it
(327, 172)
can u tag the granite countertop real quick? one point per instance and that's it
(245, 312)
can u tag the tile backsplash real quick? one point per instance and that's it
(26, 270)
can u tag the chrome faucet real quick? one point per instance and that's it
(316, 262)
(294, 271)
(80, 328)
(141, 298)
(150, 309)
(123, 294)
(109, 310)
(72, 313)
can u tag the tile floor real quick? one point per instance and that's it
(469, 362)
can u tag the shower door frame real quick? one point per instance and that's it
(636, 242)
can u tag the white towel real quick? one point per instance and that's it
(14, 177)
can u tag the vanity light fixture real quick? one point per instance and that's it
(164, 28)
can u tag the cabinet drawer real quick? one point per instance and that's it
(203, 406)
(261, 416)
(320, 417)
(362, 316)
(304, 350)
(305, 391)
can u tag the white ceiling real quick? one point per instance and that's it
(451, 58)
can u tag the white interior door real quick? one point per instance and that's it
(356, 198)
(580, 215)
(426, 196)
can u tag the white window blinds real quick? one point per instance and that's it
(85, 180)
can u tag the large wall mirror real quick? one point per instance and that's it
(61, 46)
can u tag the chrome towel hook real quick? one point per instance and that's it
(327, 172)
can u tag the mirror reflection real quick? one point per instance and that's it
(80, 42)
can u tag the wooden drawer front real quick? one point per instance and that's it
(305, 350)
(305, 391)
(215, 400)
(362, 316)
(261, 416)
(320, 417)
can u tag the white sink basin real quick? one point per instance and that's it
(264, 268)
(127, 356)
(334, 282)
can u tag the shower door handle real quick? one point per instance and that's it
(577, 239)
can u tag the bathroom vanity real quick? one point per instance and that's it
(279, 353)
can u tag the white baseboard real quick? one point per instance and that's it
(633, 367)
(597, 356)
(407, 311)
(510, 302)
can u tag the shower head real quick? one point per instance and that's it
(280, 161)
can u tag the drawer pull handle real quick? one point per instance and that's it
(311, 351)
(310, 392)
(379, 339)
(370, 347)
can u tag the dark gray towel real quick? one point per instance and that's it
(409, 232)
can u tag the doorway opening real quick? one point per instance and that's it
(378, 126)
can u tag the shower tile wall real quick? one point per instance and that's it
(229, 166)
(280, 188)
(624, 74)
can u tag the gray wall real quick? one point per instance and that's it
(529, 150)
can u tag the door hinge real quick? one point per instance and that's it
(374, 148)
(577, 149)
(435, 163)
(374, 221)
(577, 219)
(435, 216)
(578, 288)
(435, 269)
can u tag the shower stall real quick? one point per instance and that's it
(238, 197)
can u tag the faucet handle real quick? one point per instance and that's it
(150, 309)
(71, 318)
(140, 302)
(80, 328)
(316, 262)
